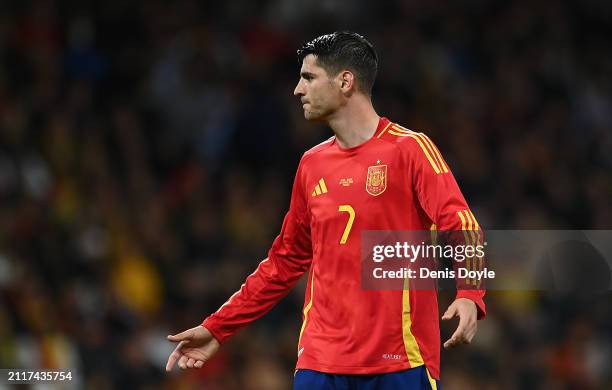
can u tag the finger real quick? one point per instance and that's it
(449, 343)
(199, 364)
(450, 312)
(174, 356)
(186, 335)
(452, 342)
(190, 363)
(182, 363)
(469, 336)
(171, 361)
(471, 331)
(459, 335)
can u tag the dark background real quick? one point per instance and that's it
(147, 150)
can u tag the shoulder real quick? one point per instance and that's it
(415, 146)
(318, 148)
(310, 153)
(403, 136)
(408, 140)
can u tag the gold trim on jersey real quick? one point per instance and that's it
(399, 131)
(471, 226)
(307, 309)
(467, 240)
(383, 130)
(432, 381)
(434, 151)
(427, 146)
(413, 352)
(477, 262)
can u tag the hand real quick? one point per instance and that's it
(467, 312)
(195, 347)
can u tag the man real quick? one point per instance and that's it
(372, 175)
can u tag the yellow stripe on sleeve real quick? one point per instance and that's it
(383, 130)
(429, 148)
(432, 151)
(401, 129)
(475, 238)
(431, 161)
(465, 236)
(469, 266)
(479, 260)
(470, 225)
(399, 134)
(462, 218)
(436, 152)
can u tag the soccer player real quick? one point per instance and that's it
(373, 174)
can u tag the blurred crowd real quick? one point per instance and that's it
(147, 150)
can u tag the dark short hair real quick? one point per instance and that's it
(344, 50)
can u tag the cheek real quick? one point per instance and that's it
(323, 95)
(329, 99)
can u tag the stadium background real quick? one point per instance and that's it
(147, 150)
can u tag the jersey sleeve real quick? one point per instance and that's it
(442, 200)
(288, 258)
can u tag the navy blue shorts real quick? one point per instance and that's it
(413, 379)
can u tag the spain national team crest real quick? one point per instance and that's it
(376, 182)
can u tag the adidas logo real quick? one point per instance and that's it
(320, 188)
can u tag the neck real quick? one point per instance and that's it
(354, 123)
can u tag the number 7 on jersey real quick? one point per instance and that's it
(349, 224)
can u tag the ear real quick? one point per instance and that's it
(346, 79)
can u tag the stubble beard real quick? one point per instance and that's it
(309, 115)
(315, 115)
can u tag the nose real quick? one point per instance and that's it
(299, 89)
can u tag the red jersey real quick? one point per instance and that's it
(397, 180)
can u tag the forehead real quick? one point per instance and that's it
(309, 64)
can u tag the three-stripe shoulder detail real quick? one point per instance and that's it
(429, 149)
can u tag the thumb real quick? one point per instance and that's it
(450, 312)
(186, 335)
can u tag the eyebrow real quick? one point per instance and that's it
(306, 74)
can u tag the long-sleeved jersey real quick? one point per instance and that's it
(397, 180)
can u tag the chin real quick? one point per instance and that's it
(311, 116)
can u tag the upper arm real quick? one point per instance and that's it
(293, 245)
(434, 184)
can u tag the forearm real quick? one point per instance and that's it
(263, 289)
(470, 236)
